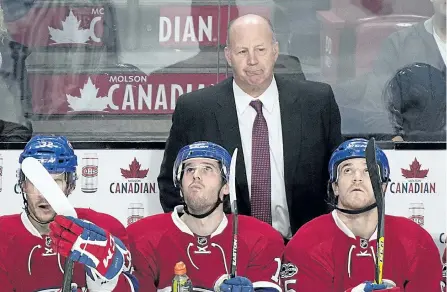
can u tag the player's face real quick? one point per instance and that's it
(353, 188)
(37, 204)
(252, 54)
(201, 184)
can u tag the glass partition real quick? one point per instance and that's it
(113, 69)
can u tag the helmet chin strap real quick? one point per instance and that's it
(350, 212)
(354, 212)
(34, 218)
(206, 214)
(358, 211)
(30, 215)
(185, 208)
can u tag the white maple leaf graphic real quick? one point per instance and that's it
(70, 33)
(88, 101)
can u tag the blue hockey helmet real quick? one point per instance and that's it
(202, 149)
(355, 148)
(54, 152)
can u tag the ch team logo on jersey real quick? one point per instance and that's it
(288, 270)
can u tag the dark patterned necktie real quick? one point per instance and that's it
(260, 167)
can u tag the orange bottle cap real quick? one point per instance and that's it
(180, 268)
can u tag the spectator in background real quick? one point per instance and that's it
(14, 127)
(416, 99)
(285, 130)
(13, 132)
(422, 43)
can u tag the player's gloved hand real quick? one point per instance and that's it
(387, 285)
(103, 254)
(236, 284)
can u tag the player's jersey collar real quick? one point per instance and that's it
(342, 226)
(184, 228)
(28, 225)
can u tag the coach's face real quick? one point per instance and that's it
(353, 187)
(202, 184)
(251, 52)
(37, 205)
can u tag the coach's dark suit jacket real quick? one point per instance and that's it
(310, 121)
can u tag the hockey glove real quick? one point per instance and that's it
(236, 284)
(386, 286)
(104, 255)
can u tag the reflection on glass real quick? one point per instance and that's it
(115, 69)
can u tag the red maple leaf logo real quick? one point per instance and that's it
(415, 170)
(134, 170)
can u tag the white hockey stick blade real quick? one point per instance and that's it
(44, 182)
(233, 181)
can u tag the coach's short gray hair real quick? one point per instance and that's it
(230, 24)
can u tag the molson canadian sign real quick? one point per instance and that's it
(415, 180)
(113, 94)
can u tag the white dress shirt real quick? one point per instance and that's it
(246, 116)
(441, 45)
(439, 42)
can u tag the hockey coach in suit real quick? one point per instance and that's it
(285, 130)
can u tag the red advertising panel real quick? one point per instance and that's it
(113, 94)
(59, 25)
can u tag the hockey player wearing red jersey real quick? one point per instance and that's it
(337, 251)
(200, 234)
(35, 243)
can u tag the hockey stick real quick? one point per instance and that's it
(233, 202)
(376, 182)
(47, 186)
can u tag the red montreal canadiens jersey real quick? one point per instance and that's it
(324, 255)
(158, 242)
(28, 263)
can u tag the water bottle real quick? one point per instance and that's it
(181, 282)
